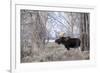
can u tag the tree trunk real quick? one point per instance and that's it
(85, 31)
(39, 31)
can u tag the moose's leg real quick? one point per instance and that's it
(67, 47)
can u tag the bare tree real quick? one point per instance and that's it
(73, 23)
(57, 22)
(33, 31)
(26, 33)
(85, 31)
(39, 30)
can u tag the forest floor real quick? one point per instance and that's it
(55, 52)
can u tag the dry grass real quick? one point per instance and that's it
(54, 52)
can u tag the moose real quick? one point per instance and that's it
(68, 42)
